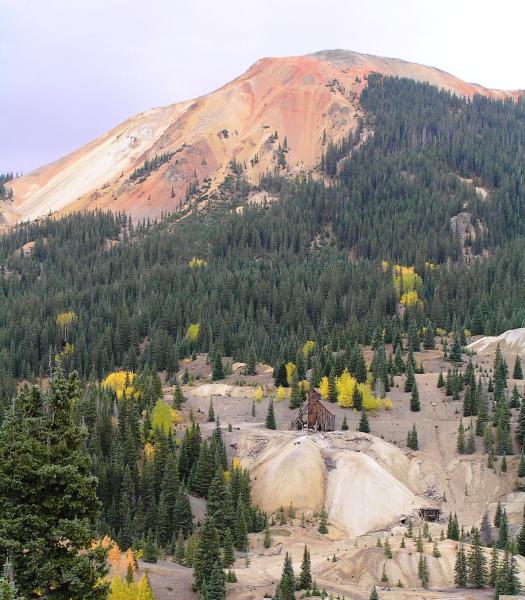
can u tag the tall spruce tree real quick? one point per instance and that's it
(43, 457)
(305, 576)
(270, 416)
(286, 587)
(461, 568)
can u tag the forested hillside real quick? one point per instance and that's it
(103, 293)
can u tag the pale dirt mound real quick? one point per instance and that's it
(347, 473)
(212, 389)
(361, 495)
(509, 341)
(364, 567)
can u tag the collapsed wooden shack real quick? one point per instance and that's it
(314, 415)
(430, 513)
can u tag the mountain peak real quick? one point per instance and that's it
(146, 165)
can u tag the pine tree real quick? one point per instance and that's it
(182, 516)
(373, 594)
(470, 446)
(228, 552)
(296, 396)
(485, 530)
(286, 587)
(207, 555)
(440, 381)
(178, 396)
(241, 529)
(215, 588)
(251, 363)
(344, 426)
(428, 337)
(414, 399)
(503, 537)
(211, 412)
(399, 365)
(477, 564)
(218, 368)
(423, 571)
(497, 515)
(270, 416)
(388, 549)
(494, 567)
(149, 549)
(412, 440)
(410, 379)
(42, 455)
(323, 522)
(460, 444)
(178, 555)
(364, 426)
(460, 568)
(332, 389)
(455, 351)
(435, 550)
(357, 399)
(305, 576)
(267, 542)
(517, 372)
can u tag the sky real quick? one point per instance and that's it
(73, 69)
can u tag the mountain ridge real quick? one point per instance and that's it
(278, 114)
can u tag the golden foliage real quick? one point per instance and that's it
(193, 332)
(387, 404)
(345, 385)
(290, 371)
(345, 388)
(163, 416)
(114, 555)
(236, 463)
(323, 387)
(149, 450)
(120, 589)
(195, 262)
(409, 298)
(281, 394)
(66, 318)
(308, 347)
(406, 279)
(122, 384)
(105, 542)
(258, 394)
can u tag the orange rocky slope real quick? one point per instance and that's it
(303, 98)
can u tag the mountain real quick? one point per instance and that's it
(279, 114)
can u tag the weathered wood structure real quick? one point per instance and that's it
(430, 513)
(314, 415)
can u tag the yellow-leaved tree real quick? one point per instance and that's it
(280, 394)
(308, 347)
(122, 383)
(258, 395)
(65, 320)
(195, 262)
(163, 416)
(290, 371)
(193, 332)
(122, 590)
(345, 388)
(345, 385)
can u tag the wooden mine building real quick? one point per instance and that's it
(314, 415)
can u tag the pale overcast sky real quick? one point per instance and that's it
(72, 69)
